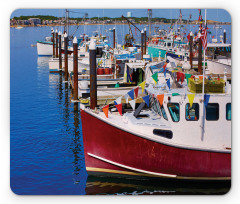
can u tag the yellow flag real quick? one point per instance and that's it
(123, 47)
(142, 85)
(191, 98)
(99, 62)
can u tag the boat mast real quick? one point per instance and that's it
(66, 26)
(150, 22)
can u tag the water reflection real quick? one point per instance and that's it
(43, 62)
(119, 186)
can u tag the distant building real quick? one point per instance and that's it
(34, 21)
(129, 14)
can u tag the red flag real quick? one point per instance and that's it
(164, 66)
(178, 76)
(105, 110)
(160, 99)
(136, 91)
(182, 77)
(119, 107)
(188, 37)
(204, 38)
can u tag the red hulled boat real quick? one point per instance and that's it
(149, 145)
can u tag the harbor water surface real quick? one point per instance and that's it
(46, 146)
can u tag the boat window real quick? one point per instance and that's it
(163, 133)
(164, 113)
(174, 111)
(156, 107)
(192, 114)
(169, 44)
(228, 111)
(212, 111)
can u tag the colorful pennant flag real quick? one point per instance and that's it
(118, 100)
(206, 99)
(105, 110)
(175, 94)
(131, 94)
(146, 99)
(168, 83)
(126, 98)
(119, 107)
(165, 72)
(142, 85)
(132, 103)
(164, 66)
(187, 77)
(136, 91)
(160, 99)
(191, 98)
(182, 76)
(155, 77)
(178, 76)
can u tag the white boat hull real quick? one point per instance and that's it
(218, 67)
(44, 49)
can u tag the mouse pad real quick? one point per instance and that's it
(120, 101)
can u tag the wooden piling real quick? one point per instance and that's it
(199, 54)
(60, 50)
(142, 38)
(75, 68)
(191, 49)
(66, 56)
(56, 33)
(93, 77)
(53, 41)
(114, 37)
(224, 36)
(145, 41)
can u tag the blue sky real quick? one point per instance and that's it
(212, 14)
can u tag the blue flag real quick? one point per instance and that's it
(128, 76)
(146, 99)
(206, 99)
(131, 94)
(168, 83)
(165, 73)
(115, 103)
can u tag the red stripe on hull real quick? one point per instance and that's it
(116, 145)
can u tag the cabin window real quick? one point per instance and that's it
(212, 111)
(164, 113)
(156, 107)
(174, 111)
(192, 113)
(228, 111)
(169, 44)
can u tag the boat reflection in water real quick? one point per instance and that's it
(100, 185)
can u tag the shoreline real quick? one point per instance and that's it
(53, 25)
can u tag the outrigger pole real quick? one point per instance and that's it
(203, 117)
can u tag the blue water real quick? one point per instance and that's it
(46, 148)
(46, 139)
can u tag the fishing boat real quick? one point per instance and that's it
(175, 135)
(19, 27)
(45, 48)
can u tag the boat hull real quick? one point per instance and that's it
(44, 49)
(113, 150)
(218, 67)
